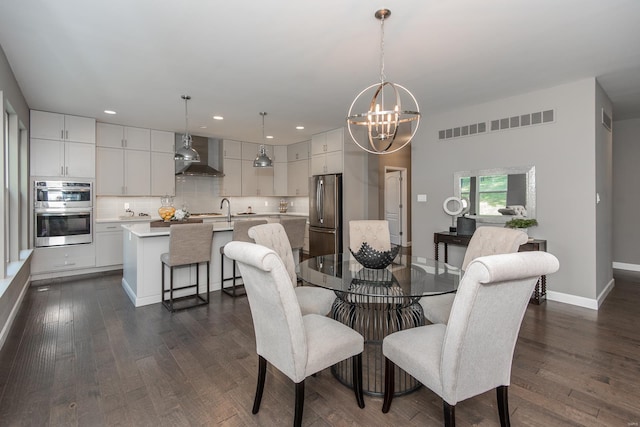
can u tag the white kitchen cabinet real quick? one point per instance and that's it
(232, 180)
(163, 178)
(62, 159)
(250, 151)
(280, 171)
(256, 181)
(298, 178)
(231, 149)
(121, 172)
(108, 242)
(298, 151)
(163, 142)
(62, 258)
(62, 127)
(327, 152)
(116, 136)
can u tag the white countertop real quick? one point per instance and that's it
(220, 218)
(140, 229)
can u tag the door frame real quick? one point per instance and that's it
(404, 214)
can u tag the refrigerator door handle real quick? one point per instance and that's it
(321, 201)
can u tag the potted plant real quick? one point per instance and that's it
(522, 223)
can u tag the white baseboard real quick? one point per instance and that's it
(606, 291)
(625, 266)
(14, 312)
(572, 299)
(591, 303)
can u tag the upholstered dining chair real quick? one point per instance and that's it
(473, 352)
(485, 241)
(296, 345)
(312, 299)
(374, 232)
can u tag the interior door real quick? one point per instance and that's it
(393, 206)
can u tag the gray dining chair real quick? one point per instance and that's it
(473, 352)
(295, 344)
(485, 241)
(312, 299)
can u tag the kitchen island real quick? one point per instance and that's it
(142, 272)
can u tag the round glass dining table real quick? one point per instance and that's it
(376, 303)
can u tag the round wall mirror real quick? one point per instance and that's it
(455, 206)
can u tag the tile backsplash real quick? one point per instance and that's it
(197, 195)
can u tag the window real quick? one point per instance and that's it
(14, 197)
(492, 194)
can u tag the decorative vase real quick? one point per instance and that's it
(167, 210)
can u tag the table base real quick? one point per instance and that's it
(376, 320)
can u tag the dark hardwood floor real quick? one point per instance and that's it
(79, 353)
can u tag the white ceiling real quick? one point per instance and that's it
(304, 61)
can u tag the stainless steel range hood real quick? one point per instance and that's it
(205, 166)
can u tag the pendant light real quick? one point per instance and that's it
(378, 130)
(186, 153)
(262, 159)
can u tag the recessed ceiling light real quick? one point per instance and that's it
(218, 118)
(203, 127)
(299, 127)
(269, 137)
(109, 112)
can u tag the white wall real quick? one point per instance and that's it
(564, 155)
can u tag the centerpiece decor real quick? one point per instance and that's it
(372, 258)
(167, 210)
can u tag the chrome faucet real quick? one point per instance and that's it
(228, 208)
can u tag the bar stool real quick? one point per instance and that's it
(240, 233)
(295, 229)
(189, 244)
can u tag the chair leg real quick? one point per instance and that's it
(356, 370)
(449, 414)
(262, 374)
(297, 417)
(389, 384)
(503, 405)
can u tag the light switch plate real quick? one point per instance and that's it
(422, 197)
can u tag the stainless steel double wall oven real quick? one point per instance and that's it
(63, 213)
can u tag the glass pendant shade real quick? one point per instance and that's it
(186, 153)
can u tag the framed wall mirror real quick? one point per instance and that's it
(498, 195)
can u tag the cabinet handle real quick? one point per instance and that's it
(61, 133)
(66, 170)
(61, 170)
(111, 226)
(66, 134)
(124, 143)
(65, 264)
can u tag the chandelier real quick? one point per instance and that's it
(388, 125)
(262, 160)
(186, 152)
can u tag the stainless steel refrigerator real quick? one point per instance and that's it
(325, 214)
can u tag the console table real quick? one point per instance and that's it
(448, 238)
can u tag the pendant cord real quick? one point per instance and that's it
(382, 76)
